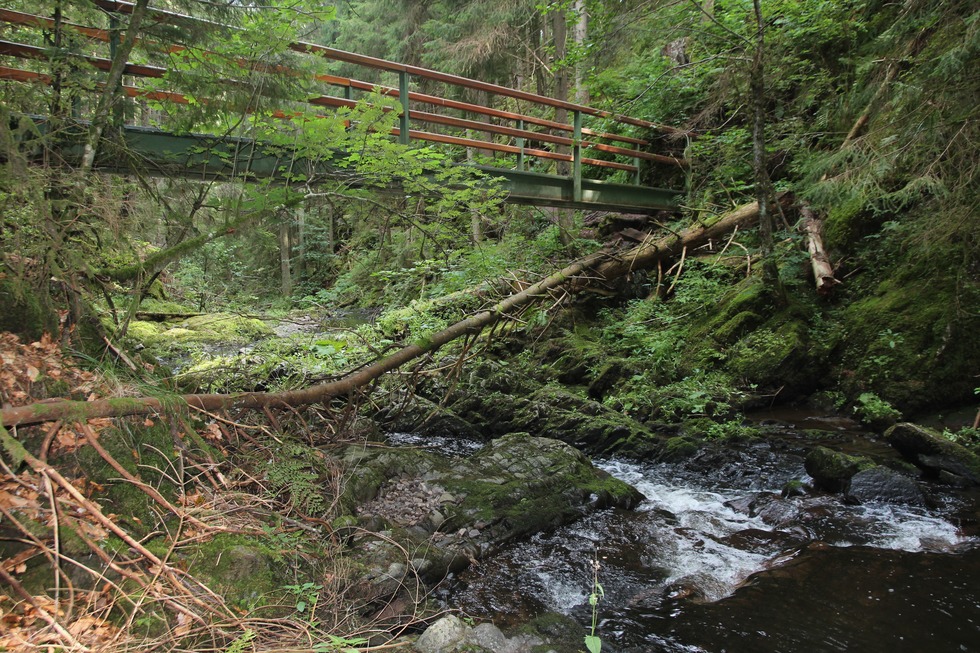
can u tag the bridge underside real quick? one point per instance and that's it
(196, 156)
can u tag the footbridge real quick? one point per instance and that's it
(546, 151)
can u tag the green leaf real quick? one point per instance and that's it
(14, 448)
(593, 643)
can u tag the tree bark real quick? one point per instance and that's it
(110, 95)
(285, 260)
(757, 91)
(823, 271)
(580, 35)
(559, 29)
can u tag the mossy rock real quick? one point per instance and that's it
(679, 448)
(557, 413)
(609, 375)
(910, 344)
(832, 470)
(522, 484)
(935, 454)
(246, 571)
(25, 311)
(145, 332)
(516, 486)
(220, 327)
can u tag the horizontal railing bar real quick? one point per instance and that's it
(131, 91)
(383, 64)
(511, 149)
(35, 52)
(31, 20)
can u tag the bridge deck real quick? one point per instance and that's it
(512, 138)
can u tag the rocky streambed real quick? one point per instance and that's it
(743, 545)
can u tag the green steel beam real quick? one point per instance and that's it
(537, 189)
(197, 156)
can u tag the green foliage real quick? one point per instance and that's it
(870, 408)
(298, 474)
(242, 643)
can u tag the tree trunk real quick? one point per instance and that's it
(285, 256)
(757, 91)
(110, 94)
(581, 274)
(580, 36)
(823, 271)
(559, 30)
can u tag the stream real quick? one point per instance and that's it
(716, 560)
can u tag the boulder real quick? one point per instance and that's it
(832, 470)
(453, 510)
(442, 636)
(451, 635)
(936, 455)
(885, 485)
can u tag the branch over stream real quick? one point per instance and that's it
(588, 271)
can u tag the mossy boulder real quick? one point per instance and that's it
(452, 509)
(910, 344)
(25, 311)
(557, 413)
(833, 470)
(246, 571)
(219, 327)
(936, 455)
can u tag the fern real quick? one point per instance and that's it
(242, 643)
(297, 472)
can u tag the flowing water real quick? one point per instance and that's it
(717, 560)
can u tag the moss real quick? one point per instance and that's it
(145, 332)
(146, 453)
(224, 327)
(909, 344)
(738, 325)
(26, 311)
(833, 470)
(679, 448)
(769, 353)
(243, 569)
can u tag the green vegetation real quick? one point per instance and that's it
(870, 120)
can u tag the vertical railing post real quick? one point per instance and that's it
(520, 144)
(636, 178)
(577, 157)
(403, 123)
(348, 92)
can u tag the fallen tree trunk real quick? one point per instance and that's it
(601, 267)
(83, 410)
(647, 254)
(823, 271)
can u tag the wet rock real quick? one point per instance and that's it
(487, 636)
(832, 470)
(885, 485)
(763, 542)
(794, 488)
(442, 636)
(451, 635)
(454, 510)
(935, 454)
(770, 508)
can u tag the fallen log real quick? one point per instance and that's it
(594, 269)
(823, 271)
(647, 254)
(119, 407)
